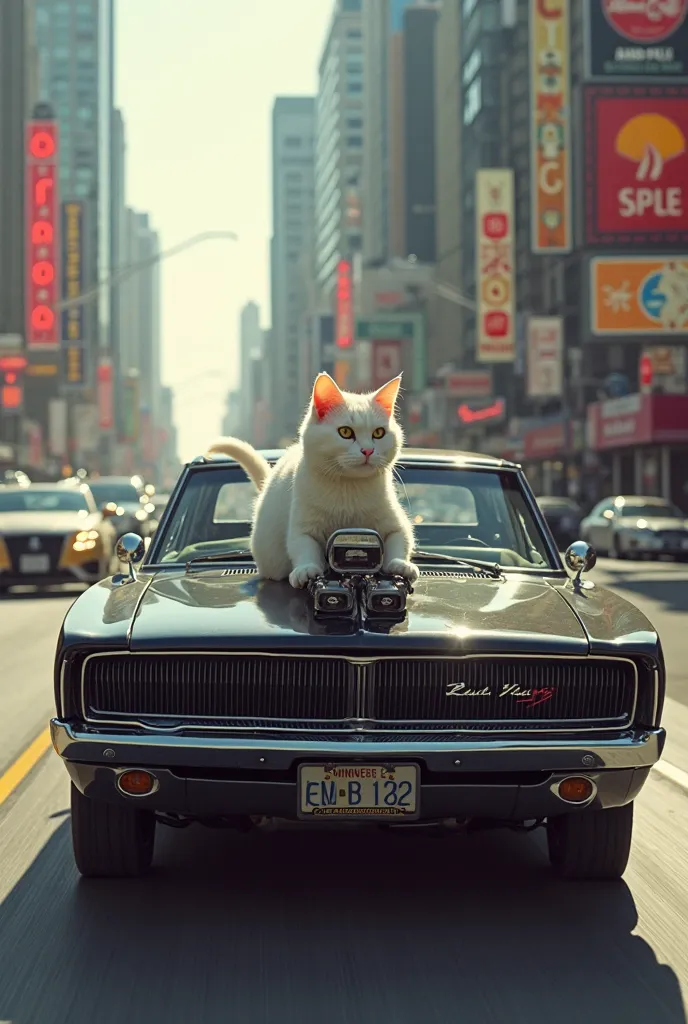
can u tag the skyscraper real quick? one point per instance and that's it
(383, 163)
(293, 140)
(339, 145)
(74, 41)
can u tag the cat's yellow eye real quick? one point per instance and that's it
(379, 432)
(346, 432)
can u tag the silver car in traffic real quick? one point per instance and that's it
(632, 526)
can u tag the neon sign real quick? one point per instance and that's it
(42, 281)
(344, 326)
(468, 414)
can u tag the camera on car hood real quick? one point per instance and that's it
(355, 580)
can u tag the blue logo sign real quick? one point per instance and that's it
(650, 299)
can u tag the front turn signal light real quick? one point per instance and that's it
(5, 560)
(136, 782)
(576, 789)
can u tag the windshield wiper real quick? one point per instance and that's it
(221, 556)
(494, 568)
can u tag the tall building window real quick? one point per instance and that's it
(354, 141)
(292, 141)
(354, 87)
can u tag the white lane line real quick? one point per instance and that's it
(670, 771)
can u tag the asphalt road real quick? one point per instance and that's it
(335, 927)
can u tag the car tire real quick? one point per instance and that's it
(110, 841)
(591, 845)
(615, 551)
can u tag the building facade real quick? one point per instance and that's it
(339, 145)
(139, 315)
(418, 223)
(293, 142)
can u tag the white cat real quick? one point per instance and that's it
(338, 476)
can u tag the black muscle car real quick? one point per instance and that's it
(497, 692)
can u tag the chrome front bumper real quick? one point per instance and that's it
(634, 749)
(197, 777)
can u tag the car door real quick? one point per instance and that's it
(598, 525)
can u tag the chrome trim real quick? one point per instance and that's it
(133, 618)
(554, 789)
(655, 703)
(132, 768)
(635, 750)
(359, 689)
(63, 672)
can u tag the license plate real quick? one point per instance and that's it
(34, 563)
(358, 791)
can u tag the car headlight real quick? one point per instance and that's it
(86, 540)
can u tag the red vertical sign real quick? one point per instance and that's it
(344, 325)
(42, 242)
(105, 410)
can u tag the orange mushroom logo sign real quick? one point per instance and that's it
(650, 141)
(638, 187)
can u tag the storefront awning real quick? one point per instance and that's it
(638, 419)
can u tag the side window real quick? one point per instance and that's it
(601, 508)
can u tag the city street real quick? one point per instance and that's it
(336, 927)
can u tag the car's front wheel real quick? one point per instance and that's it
(591, 844)
(110, 841)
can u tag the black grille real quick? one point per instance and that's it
(330, 694)
(19, 545)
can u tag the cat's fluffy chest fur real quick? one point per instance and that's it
(339, 476)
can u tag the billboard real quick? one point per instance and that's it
(73, 339)
(469, 384)
(550, 131)
(545, 357)
(636, 39)
(105, 395)
(386, 362)
(639, 295)
(495, 265)
(42, 235)
(636, 165)
(344, 319)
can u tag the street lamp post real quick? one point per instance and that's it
(123, 274)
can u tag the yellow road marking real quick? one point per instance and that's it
(18, 771)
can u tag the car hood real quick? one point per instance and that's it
(657, 523)
(446, 614)
(14, 523)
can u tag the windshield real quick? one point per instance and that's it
(33, 500)
(105, 491)
(463, 513)
(665, 511)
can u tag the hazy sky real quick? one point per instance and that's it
(196, 81)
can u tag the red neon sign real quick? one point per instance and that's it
(42, 290)
(344, 327)
(489, 412)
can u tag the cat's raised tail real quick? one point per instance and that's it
(246, 455)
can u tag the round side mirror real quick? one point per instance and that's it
(130, 549)
(580, 557)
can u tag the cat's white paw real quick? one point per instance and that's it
(301, 574)
(398, 567)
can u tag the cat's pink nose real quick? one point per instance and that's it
(367, 452)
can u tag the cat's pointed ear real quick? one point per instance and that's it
(326, 395)
(387, 395)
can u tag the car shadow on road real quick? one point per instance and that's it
(337, 927)
(670, 591)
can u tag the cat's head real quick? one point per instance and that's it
(351, 435)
